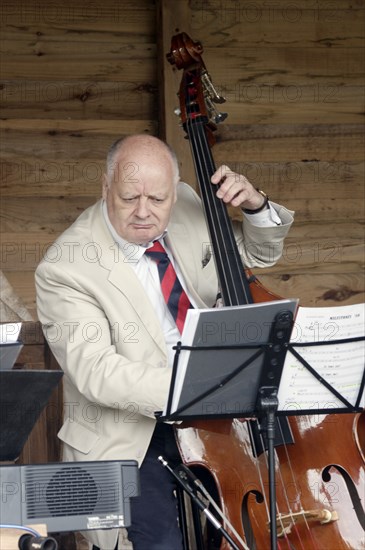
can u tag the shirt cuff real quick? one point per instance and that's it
(266, 218)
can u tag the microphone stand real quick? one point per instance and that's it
(187, 481)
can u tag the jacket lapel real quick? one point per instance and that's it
(122, 276)
(201, 283)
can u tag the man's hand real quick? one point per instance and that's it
(236, 190)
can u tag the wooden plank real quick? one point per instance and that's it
(129, 19)
(333, 210)
(41, 40)
(323, 290)
(172, 18)
(303, 24)
(290, 143)
(94, 63)
(258, 103)
(269, 5)
(28, 176)
(41, 214)
(321, 256)
(90, 127)
(261, 6)
(316, 179)
(78, 47)
(351, 230)
(72, 99)
(23, 251)
(285, 66)
(41, 137)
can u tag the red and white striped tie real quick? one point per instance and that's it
(175, 296)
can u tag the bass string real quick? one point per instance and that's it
(294, 526)
(298, 492)
(204, 165)
(219, 223)
(205, 168)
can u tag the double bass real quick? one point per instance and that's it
(320, 478)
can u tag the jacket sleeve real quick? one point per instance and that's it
(107, 368)
(258, 246)
(262, 246)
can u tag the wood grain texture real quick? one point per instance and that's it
(77, 99)
(172, 19)
(78, 75)
(300, 24)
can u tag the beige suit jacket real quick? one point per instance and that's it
(103, 330)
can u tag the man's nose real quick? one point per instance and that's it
(142, 209)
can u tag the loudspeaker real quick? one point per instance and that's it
(69, 496)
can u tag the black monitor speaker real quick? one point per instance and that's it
(69, 496)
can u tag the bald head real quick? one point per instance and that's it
(140, 187)
(134, 149)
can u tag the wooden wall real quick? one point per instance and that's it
(78, 74)
(293, 76)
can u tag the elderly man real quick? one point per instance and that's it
(106, 319)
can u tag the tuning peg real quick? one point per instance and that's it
(219, 117)
(213, 94)
(213, 113)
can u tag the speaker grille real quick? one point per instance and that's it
(65, 490)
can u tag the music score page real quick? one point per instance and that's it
(339, 364)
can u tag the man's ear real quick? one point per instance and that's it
(105, 186)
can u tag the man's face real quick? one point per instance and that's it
(140, 197)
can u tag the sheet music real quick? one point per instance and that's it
(341, 365)
(191, 322)
(200, 371)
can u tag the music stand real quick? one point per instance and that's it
(253, 367)
(254, 353)
(23, 396)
